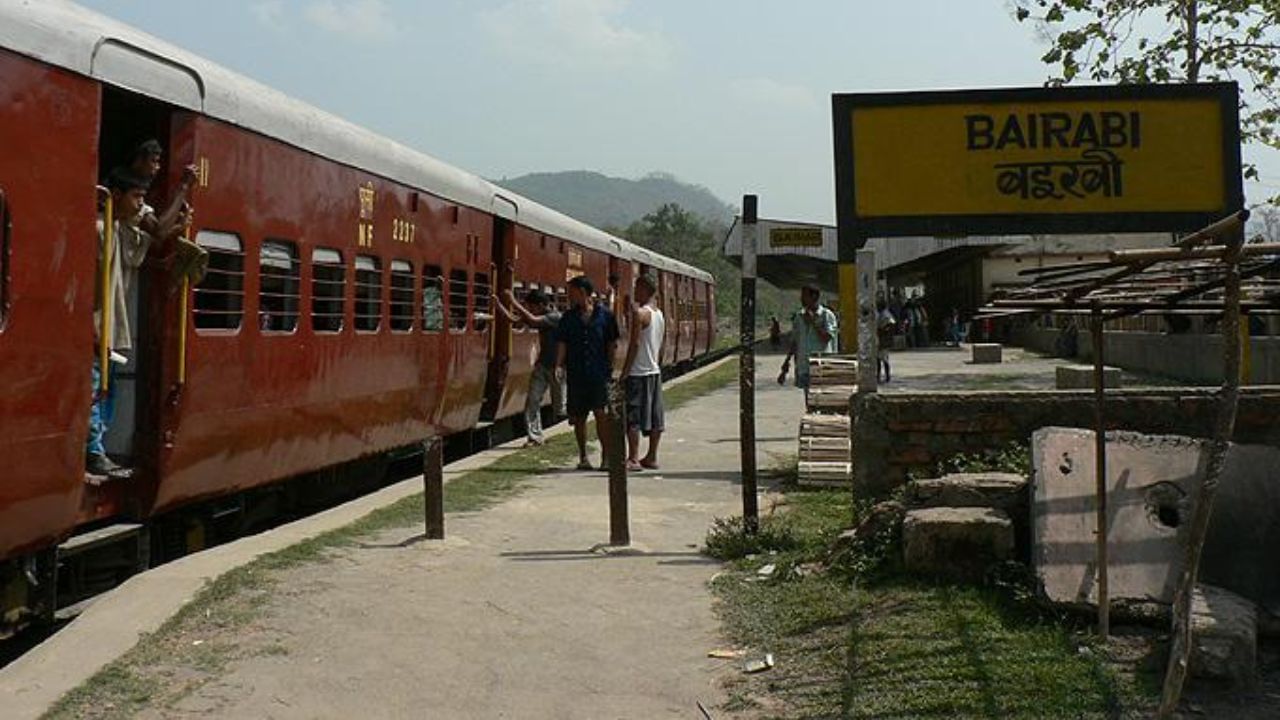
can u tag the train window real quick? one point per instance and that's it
(279, 286)
(368, 311)
(432, 299)
(458, 300)
(401, 296)
(482, 293)
(219, 298)
(328, 290)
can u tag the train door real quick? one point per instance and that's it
(136, 390)
(502, 278)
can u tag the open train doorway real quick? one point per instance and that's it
(135, 138)
(503, 279)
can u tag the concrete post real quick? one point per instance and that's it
(433, 486)
(747, 366)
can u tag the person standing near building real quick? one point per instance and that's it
(884, 338)
(642, 370)
(813, 332)
(544, 318)
(586, 339)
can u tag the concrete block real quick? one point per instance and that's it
(1003, 491)
(956, 543)
(987, 353)
(1224, 637)
(1151, 485)
(1080, 377)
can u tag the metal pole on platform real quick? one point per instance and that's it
(747, 365)
(1100, 469)
(433, 486)
(615, 455)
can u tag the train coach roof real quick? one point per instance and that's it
(64, 34)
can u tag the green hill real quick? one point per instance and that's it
(610, 202)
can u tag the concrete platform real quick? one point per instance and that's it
(987, 353)
(515, 615)
(1080, 377)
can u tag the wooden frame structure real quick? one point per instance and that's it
(1210, 272)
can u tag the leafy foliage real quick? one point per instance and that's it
(1169, 41)
(1013, 458)
(678, 233)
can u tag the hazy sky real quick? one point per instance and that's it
(731, 94)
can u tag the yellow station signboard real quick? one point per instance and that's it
(1038, 160)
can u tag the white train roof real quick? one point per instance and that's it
(62, 33)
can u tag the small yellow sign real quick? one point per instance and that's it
(795, 237)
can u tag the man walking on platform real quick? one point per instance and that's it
(813, 332)
(545, 319)
(642, 370)
(586, 339)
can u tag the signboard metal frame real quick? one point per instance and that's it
(854, 231)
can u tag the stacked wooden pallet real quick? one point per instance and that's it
(824, 450)
(832, 379)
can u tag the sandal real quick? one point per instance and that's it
(648, 465)
(633, 466)
(585, 465)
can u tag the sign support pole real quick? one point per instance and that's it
(747, 366)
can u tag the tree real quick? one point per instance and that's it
(677, 233)
(1169, 41)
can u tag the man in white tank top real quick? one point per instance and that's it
(643, 372)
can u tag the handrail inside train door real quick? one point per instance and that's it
(104, 328)
(182, 323)
(493, 321)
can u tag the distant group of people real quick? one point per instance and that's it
(137, 231)
(578, 346)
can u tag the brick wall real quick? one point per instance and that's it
(896, 434)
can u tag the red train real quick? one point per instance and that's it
(344, 316)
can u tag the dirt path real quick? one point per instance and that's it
(514, 616)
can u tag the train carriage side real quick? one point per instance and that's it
(48, 119)
(347, 357)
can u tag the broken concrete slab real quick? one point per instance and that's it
(1080, 377)
(1224, 637)
(956, 543)
(987, 353)
(1005, 491)
(1151, 481)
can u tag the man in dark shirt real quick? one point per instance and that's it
(543, 317)
(586, 339)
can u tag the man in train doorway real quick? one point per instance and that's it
(544, 318)
(586, 339)
(813, 332)
(642, 371)
(129, 245)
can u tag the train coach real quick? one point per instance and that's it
(343, 319)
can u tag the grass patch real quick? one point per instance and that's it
(860, 642)
(193, 646)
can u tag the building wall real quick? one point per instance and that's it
(900, 435)
(1195, 358)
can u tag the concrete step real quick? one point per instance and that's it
(956, 543)
(1005, 491)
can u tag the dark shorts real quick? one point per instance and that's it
(584, 396)
(644, 403)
